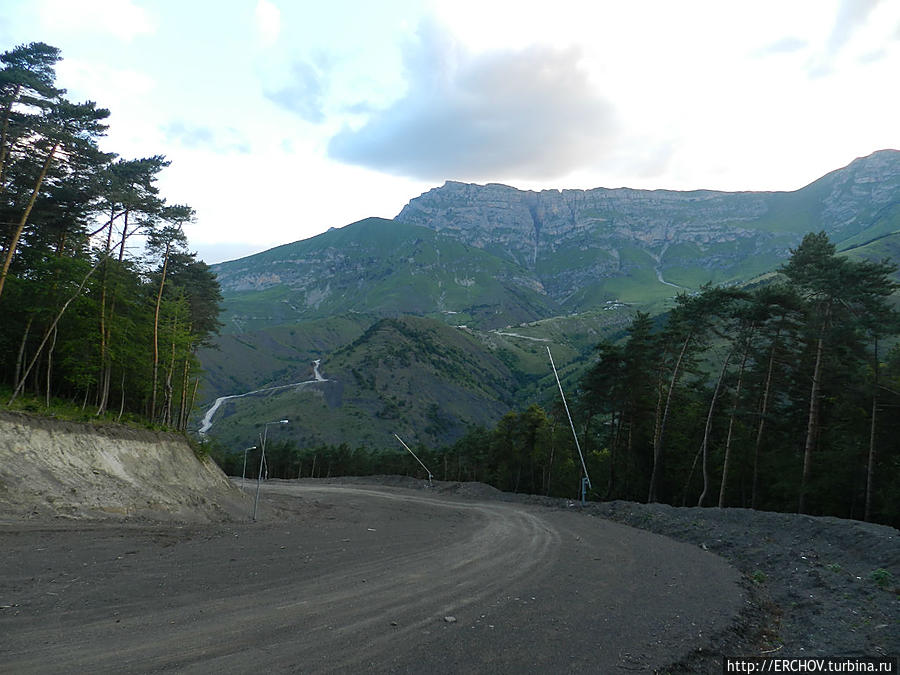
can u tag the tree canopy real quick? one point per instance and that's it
(86, 315)
(769, 397)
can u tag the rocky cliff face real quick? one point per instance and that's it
(528, 223)
(862, 194)
(599, 230)
(492, 255)
(380, 267)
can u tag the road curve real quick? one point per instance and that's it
(349, 579)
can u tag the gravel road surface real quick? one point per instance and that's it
(350, 578)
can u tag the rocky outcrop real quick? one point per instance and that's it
(520, 220)
(596, 229)
(494, 255)
(52, 468)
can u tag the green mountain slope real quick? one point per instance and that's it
(380, 267)
(414, 376)
(242, 362)
(487, 256)
(884, 247)
(419, 372)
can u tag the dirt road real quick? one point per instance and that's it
(347, 578)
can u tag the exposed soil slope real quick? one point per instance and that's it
(52, 468)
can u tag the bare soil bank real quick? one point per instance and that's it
(52, 469)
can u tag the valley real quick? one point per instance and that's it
(439, 319)
(208, 416)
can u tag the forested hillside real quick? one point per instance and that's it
(777, 396)
(101, 301)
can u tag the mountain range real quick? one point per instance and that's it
(486, 277)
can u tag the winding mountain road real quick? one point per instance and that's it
(207, 421)
(339, 578)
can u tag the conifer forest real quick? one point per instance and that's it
(101, 301)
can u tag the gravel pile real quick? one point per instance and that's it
(820, 586)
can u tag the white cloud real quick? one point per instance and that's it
(852, 15)
(529, 113)
(785, 45)
(199, 136)
(80, 75)
(234, 203)
(121, 19)
(268, 22)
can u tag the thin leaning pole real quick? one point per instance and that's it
(244, 472)
(262, 462)
(262, 459)
(430, 476)
(571, 424)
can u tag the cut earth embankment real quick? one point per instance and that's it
(52, 468)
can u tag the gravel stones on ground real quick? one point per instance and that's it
(817, 586)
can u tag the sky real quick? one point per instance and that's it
(283, 118)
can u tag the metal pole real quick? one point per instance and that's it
(262, 460)
(262, 457)
(244, 472)
(417, 459)
(571, 423)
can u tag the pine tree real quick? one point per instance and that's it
(841, 295)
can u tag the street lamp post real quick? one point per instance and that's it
(244, 472)
(262, 459)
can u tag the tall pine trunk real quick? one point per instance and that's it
(122, 398)
(702, 452)
(17, 233)
(50, 364)
(20, 358)
(615, 423)
(656, 473)
(870, 464)
(162, 283)
(764, 410)
(812, 423)
(21, 383)
(182, 407)
(169, 389)
(737, 399)
(4, 133)
(103, 373)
